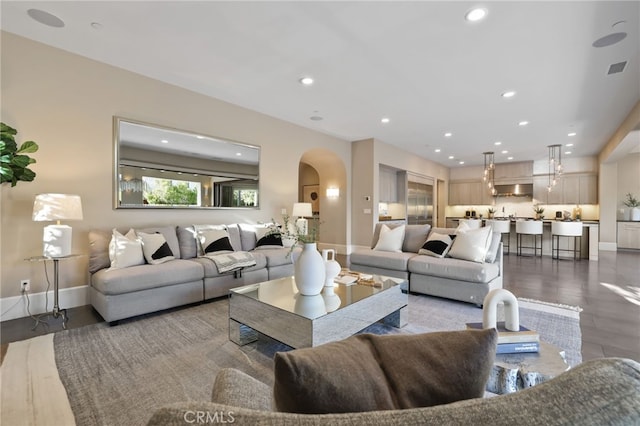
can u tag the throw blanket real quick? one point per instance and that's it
(231, 261)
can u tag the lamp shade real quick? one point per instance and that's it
(302, 210)
(48, 207)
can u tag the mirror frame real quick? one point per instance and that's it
(117, 120)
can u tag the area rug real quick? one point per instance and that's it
(122, 374)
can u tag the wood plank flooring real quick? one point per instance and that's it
(607, 290)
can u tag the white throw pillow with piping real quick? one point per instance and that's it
(390, 239)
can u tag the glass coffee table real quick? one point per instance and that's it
(276, 309)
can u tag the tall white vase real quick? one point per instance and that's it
(331, 266)
(309, 271)
(635, 214)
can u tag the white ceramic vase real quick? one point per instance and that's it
(331, 266)
(309, 270)
(310, 307)
(635, 214)
(331, 300)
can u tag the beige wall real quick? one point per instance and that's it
(66, 103)
(628, 181)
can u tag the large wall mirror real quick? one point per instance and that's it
(159, 167)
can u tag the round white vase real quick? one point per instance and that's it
(331, 266)
(309, 270)
(635, 214)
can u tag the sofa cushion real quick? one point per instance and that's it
(455, 269)
(390, 239)
(187, 241)
(437, 245)
(125, 250)
(492, 252)
(381, 259)
(267, 238)
(155, 248)
(414, 237)
(365, 372)
(99, 250)
(143, 277)
(471, 244)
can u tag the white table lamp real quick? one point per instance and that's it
(302, 210)
(50, 207)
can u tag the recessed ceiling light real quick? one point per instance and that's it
(571, 134)
(523, 123)
(476, 14)
(164, 141)
(567, 152)
(384, 120)
(96, 25)
(497, 143)
(45, 18)
(437, 150)
(307, 81)
(448, 135)
(509, 158)
(509, 94)
(451, 157)
(569, 144)
(505, 152)
(239, 154)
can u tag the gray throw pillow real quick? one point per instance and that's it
(369, 372)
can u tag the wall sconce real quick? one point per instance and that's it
(333, 192)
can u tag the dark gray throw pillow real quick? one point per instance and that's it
(369, 372)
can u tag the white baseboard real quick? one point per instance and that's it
(16, 306)
(608, 246)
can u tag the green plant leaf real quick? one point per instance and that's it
(28, 147)
(7, 129)
(6, 174)
(21, 161)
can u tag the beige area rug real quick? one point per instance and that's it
(31, 392)
(121, 375)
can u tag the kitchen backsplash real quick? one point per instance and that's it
(524, 209)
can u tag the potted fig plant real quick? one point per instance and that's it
(14, 163)
(538, 211)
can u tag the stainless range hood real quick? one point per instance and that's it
(515, 190)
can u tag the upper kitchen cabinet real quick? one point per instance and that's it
(512, 173)
(571, 188)
(392, 182)
(468, 193)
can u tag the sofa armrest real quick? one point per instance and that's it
(237, 389)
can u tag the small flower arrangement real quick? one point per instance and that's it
(538, 211)
(289, 231)
(631, 201)
(490, 212)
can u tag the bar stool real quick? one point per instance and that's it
(566, 229)
(473, 223)
(529, 227)
(503, 227)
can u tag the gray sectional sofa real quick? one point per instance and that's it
(446, 277)
(126, 292)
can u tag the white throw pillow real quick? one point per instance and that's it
(125, 250)
(200, 229)
(267, 238)
(214, 240)
(390, 239)
(155, 248)
(471, 245)
(462, 228)
(437, 245)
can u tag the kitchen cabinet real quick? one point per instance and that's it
(510, 173)
(574, 188)
(469, 193)
(629, 235)
(388, 185)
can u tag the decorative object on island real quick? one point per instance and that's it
(538, 211)
(50, 207)
(633, 203)
(512, 337)
(302, 211)
(555, 165)
(491, 212)
(332, 267)
(489, 172)
(14, 163)
(309, 270)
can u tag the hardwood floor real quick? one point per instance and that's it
(607, 290)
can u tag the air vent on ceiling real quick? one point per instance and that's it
(616, 68)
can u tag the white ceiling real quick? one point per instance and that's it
(418, 63)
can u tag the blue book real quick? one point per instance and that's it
(507, 336)
(515, 348)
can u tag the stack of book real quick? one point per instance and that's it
(513, 342)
